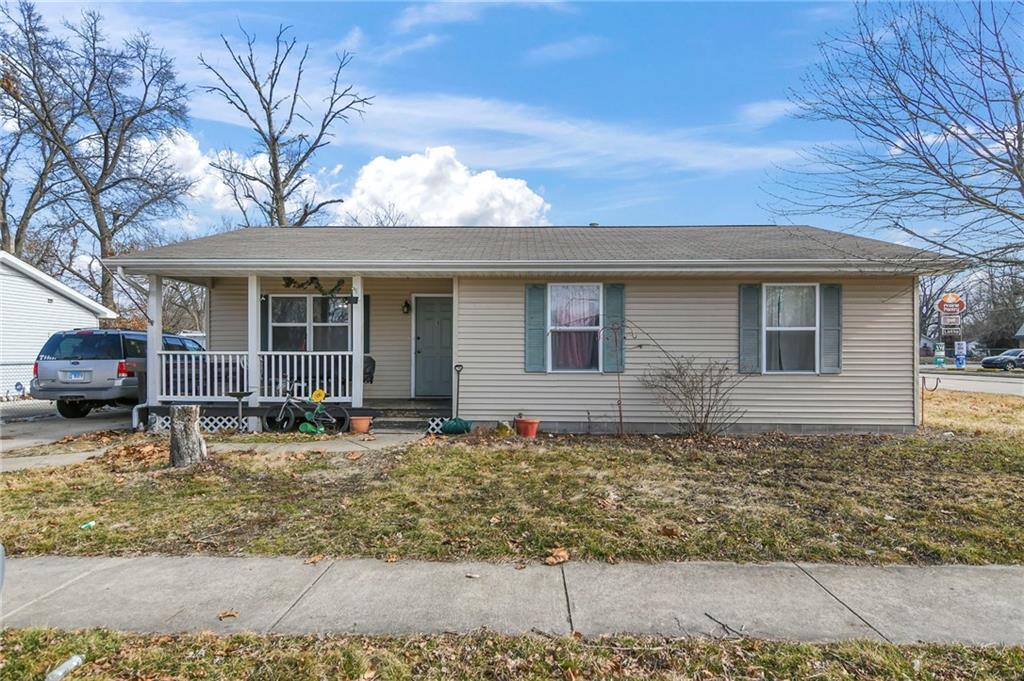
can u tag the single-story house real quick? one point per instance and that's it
(33, 306)
(554, 323)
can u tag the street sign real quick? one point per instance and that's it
(950, 320)
(960, 348)
(951, 303)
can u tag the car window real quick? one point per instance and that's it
(82, 345)
(134, 346)
(174, 344)
(191, 345)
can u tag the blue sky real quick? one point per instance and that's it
(662, 113)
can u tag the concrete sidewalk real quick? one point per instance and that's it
(811, 602)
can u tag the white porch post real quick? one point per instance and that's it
(253, 344)
(154, 338)
(357, 342)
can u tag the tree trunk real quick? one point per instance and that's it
(187, 444)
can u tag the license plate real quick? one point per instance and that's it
(75, 376)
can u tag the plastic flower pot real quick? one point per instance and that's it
(527, 427)
(360, 424)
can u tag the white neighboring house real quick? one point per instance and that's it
(33, 306)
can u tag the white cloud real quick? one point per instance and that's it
(435, 188)
(512, 136)
(433, 13)
(582, 46)
(766, 112)
(390, 53)
(352, 41)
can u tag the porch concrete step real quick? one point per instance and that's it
(399, 424)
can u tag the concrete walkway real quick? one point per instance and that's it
(811, 602)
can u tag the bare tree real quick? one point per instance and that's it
(995, 306)
(933, 94)
(274, 186)
(29, 185)
(109, 110)
(387, 215)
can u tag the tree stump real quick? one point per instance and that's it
(187, 444)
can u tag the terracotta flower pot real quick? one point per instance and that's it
(527, 427)
(360, 424)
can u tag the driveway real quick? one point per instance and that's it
(48, 428)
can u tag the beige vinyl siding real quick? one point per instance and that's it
(228, 312)
(698, 316)
(391, 332)
(390, 328)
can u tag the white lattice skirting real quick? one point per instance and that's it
(208, 424)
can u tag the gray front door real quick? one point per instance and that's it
(433, 347)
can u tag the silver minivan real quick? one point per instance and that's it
(86, 368)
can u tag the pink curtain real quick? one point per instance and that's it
(574, 306)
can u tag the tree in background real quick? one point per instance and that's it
(30, 185)
(274, 186)
(108, 110)
(995, 306)
(934, 97)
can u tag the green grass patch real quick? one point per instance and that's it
(109, 655)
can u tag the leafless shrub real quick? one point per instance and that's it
(698, 392)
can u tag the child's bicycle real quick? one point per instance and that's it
(311, 416)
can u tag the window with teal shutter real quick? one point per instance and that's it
(614, 329)
(831, 336)
(750, 328)
(535, 328)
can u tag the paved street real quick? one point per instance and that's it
(810, 602)
(995, 383)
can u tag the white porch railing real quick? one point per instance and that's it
(206, 376)
(331, 371)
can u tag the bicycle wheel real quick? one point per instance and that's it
(340, 424)
(279, 420)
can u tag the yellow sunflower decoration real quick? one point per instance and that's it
(319, 395)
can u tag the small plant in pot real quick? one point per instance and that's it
(526, 427)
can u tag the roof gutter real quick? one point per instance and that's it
(213, 265)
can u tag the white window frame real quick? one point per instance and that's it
(598, 328)
(765, 328)
(309, 324)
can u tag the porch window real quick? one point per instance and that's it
(574, 327)
(306, 323)
(791, 327)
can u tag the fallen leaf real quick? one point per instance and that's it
(700, 520)
(669, 531)
(226, 614)
(557, 556)
(354, 456)
(391, 558)
(495, 520)
(313, 560)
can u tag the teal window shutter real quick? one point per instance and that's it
(366, 324)
(750, 329)
(613, 332)
(536, 328)
(830, 335)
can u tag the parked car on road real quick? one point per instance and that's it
(1010, 359)
(87, 368)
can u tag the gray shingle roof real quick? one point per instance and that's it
(482, 245)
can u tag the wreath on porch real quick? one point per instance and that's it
(291, 282)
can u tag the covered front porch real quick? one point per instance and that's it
(359, 339)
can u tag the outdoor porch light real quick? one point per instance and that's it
(406, 307)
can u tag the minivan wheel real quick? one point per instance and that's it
(73, 410)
